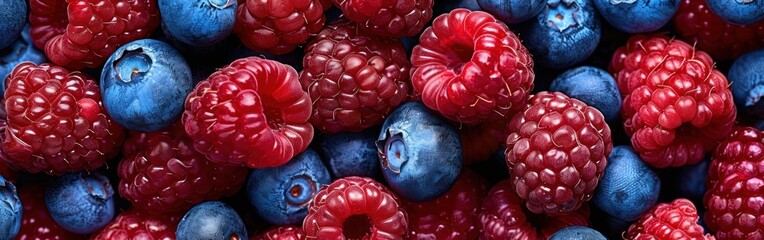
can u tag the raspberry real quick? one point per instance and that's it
(252, 112)
(696, 23)
(282, 233)
(502, 216)
(675, 220)
(471, 68)
(451, 216)
(735, 186)
(80, 33)
(388, 18)
(557, 152)
(36, 221)
(355, 208)
(132, 224)
(56, 123)
(278, 26)
(162, 173)
(675, 106)
(479, 142)
(354, 80)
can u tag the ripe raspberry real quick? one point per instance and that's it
(479, 142)
(694, 22)
(735, 186)
(355, 208)
(36, 223)
(471, 68)
(557, 152)
(162, 173)
(278, 26)
(675, 105)
(388, 18)
(56, 123)
(675, 220)
(451, 216)
(354, 80)
(281, 233)
(133, 224)
(502, 216)
(80, 33)
(249, 113)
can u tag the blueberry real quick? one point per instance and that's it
(628, 188)
(13, 17)
(80, 202)
(144, 85)
(748, 82)
(637, 16)
(198, 22)
(691, 180)
(22, 50)
(512, 11)
(281, 195)
(420, 152)
(577, 233)
(351, 154)
(445, 6)
(741, 12)
(592, 85)
(10, 210)
(565, 33)
(211, 220)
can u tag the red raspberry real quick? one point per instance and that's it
(388, 18)
(355, 208)
(675, 106)
(56, 123)
(471, 68)
(162, 173)
(278, 26)
(252, 112)
(735, 186)
(557, 152)
(36, 222)
(451, 216)
(281, 233)
(675, 220)
(354, 80)
(133, 224)
(696, 23)
(479, 142)
(81, 33)
(502, 216)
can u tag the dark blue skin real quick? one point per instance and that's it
(628, 188)
(691, 181)
(80, 202)
(577, 233)
(198, 22)
(281, 195)
(211, 220)
(144, 85)
(351, 154)
(747, 82)
(565, 33)
(592, 85)
(637, 16)
(512, 11)
(420, 152)
(13, 17)
(742, 12)
(22, 50)
(10, 210)
(445, 6)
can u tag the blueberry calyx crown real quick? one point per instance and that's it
(392, 151)
(97, 185)
(615, 2)
(132, 65)
(221, 4)
(9, 195)
(562, 14)
(301, 190)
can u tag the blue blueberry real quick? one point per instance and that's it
(351, 154)
(420, 152)
(10, 210)
(280, 195)
(742, 12)
(691, 180)
(22, 50)
(211, 220)
(628, 188)
(637, 16)
(592, 85)
(565, 33)
(13, 17)
(747, 82)
(144, 85)
(198, 22)
(512, 11)
(445, 6)
(80, 202)
(577, 233)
